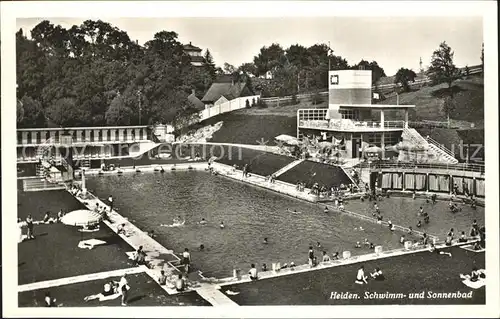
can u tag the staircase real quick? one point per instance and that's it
(85, 163)
(287, 167)
(436, 150)
(40, 184)
(442, 151)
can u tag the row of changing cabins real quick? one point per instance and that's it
(472, 182)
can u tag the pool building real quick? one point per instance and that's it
(353, 119)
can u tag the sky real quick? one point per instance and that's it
(393, 42)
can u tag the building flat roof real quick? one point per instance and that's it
(377, 106)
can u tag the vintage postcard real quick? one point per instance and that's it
(193, 159)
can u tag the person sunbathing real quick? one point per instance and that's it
(47, 219)
(110, 291)
(475, 275)
(377, 274)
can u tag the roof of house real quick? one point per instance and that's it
(196, 102)
(190, 47)
(228, 90)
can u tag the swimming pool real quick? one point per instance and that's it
(250, 214)
(403, 211)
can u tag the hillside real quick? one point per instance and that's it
(248, 126)
(469, 99)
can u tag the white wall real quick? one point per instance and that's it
(236, 104)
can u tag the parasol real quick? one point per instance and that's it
(287, 139)
(373, 149)
(81, 217)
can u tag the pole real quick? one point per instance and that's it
(140, 106)
(329, 56)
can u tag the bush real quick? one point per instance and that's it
(316, 98)
(261, 104)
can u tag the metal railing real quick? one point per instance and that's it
(411, 165)
(347, 124)
(440, 146)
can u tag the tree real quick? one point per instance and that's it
(248, 68)
(19, 112)
(448, 107)
(118, 113)
(482, 57)
(32, 111)
(229, 68)
(208, 64)
(377, 71)
(442, 69)
(66, 112)
(403, 77)
(268, 59)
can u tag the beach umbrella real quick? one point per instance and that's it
(287, 139)
(407, 146)
(325, 144)
(81, 217)
(373, 149)
(391, 148)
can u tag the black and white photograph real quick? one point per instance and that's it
(211, 156)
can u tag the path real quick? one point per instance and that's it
(288, 167)
(335, 263)
(80, 278)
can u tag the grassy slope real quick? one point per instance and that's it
(249, 125)
(469, 98)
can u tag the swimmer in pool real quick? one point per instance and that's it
(318, 244)
(222, 225)
(265, 241)
(202, 247)
(358, 245)
(203, 221)
(326, 210)
(292, 211)
(419, 224)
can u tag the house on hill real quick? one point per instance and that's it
(195, 53)
(196, 102)
(221, 92)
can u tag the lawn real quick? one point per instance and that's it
(54, 253)
(469, 100)
(416, 273)
(241, 127)
(261, 163)
(313, 172)
(144, 292)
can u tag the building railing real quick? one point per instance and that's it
(81, 135)
(411, 165)
(346, 124)
(440, 146)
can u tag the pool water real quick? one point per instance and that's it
(403, 211)
(250, 214)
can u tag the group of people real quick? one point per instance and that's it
(271, 178)
(29, 223)
(366, 243)
(113, 289)
(362, 279)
